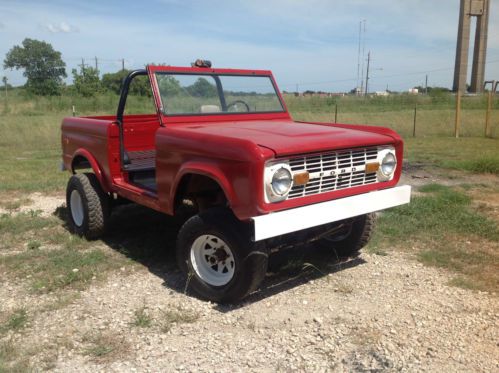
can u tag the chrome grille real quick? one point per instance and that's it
(331, 171)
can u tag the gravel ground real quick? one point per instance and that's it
(367, 314)
(371, 313)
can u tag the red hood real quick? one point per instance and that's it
(288, 137)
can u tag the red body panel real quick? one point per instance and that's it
(230, 148)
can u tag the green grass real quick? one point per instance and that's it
(99, 349)
(16, 321)
(142, 319)
(41, 251)
(104, 347)
(17, 224)
(470, 154)
(72, 262)
(448, 232)
(176, 316)
(442, 210)
(483, 165)
(59, 268)
(12, 205)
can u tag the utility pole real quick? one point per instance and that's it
(358, 59)
(367, 72)
(96, 65)
(82, 64)
(426, 85)
(122, 64)
(363, 57)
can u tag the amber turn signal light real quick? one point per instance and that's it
(301, 178)
(372, 167)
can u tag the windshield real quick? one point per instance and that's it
(191, 94)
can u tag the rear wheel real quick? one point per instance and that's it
(221, 263)
(88, 206)
(354, 239)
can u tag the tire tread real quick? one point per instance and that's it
(97, 205)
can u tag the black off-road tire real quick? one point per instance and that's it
(251, 259)
(360, 234)
(95, 203)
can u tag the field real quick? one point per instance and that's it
(47, 274)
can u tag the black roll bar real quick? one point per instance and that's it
(125, 87)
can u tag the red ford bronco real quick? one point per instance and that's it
(223, 154)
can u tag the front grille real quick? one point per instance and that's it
(331, 171)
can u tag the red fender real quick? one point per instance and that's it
(95, 167)
(199, 168)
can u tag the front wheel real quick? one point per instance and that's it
(357, 236)
(221, 263)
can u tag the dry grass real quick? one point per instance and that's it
(142, 318)
(15, 321)
(11, 359)
(176, 316)
(105, 347)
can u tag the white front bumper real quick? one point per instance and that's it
(278, 223)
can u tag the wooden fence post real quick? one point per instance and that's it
(457, 124)
(487, 115)
(415, 117)
(493, 89)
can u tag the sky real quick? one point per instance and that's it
(309, 44)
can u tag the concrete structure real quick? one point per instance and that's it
(479, 9)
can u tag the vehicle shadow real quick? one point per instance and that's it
(148, 237)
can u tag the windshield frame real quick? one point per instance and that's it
(154, 71)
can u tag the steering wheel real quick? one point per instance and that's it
(234, 104)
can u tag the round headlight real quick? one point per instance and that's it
(281, 181)
(388, 164)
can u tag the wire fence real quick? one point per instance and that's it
(410, 115)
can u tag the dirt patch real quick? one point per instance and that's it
(419, 174)
(45, 204)
(486, 201)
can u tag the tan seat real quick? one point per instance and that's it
(210, 109)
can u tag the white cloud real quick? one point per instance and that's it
(62, 27)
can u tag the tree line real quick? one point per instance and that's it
(45, 71)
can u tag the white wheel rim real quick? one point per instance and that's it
(76, 207)
(212, 260)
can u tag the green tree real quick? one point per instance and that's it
(112, 81)
(168, 85)
(140, 85)
(202, 88)
(43, 66)
(87, 82)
